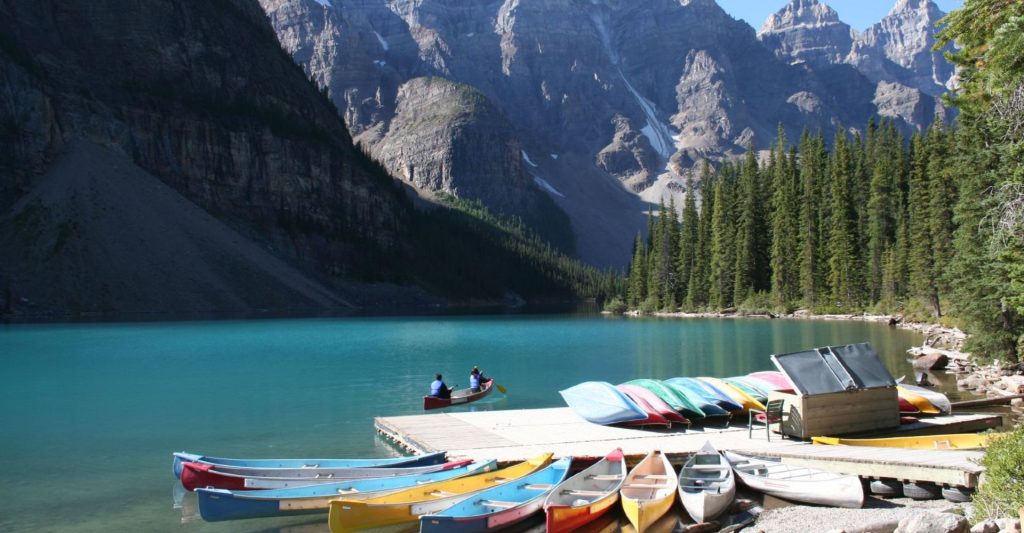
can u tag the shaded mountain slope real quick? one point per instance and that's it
(200, 96)
(146, 247)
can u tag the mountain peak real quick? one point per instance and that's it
(801, 13)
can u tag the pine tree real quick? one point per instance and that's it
(784, 266)
(941, 201)
(749, 232)
(721, 246)
(842, 232)
(922, 267)
(689, 238)
(880, 224)
(697, 288)
(811, 171)
(636, 291)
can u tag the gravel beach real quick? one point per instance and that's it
(876, 511)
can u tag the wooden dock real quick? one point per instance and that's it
(515, 435)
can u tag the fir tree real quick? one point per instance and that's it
(721, 247)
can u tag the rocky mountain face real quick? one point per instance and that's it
(170, 156)
(895, 54)
(609, 104)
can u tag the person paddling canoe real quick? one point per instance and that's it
(476, 379)
(438, 389)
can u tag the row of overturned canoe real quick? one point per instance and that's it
(652, 402)
(684, 400)
(477, 496)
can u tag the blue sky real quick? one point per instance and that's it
(860, 14)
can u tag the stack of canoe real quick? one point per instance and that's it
(681, 400)
(465, 496)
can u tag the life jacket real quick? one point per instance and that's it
(474, 381)
(435, 387)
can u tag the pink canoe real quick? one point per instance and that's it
(651, 403)
(779, 381)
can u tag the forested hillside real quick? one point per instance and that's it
(930, 225)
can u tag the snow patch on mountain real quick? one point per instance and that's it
(543, 184)
(383, 42)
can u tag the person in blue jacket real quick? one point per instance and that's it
(438, 389)
(476, 379)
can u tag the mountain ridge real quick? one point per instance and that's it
(637, 94)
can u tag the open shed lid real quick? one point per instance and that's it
(834, 369)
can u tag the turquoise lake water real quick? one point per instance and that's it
(91, 413)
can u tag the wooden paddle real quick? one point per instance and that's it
(501, 389)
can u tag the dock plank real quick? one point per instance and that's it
(515, 435)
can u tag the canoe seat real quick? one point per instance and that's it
(498, 504)
(584, 493)
(705, 488)
(641, 486)
(348, 491)
(441, 493)
(324, 476)
(537, 486)
(654, 476)
(605, 477)
(311, 466)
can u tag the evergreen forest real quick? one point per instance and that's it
(929, 226)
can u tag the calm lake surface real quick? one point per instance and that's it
(91, 413)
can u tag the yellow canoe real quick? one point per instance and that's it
(918, 401)
(746, 401)
(649, 490)
(957, 441)
(406, 506)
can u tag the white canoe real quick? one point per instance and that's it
(798, 483)
(706, 484)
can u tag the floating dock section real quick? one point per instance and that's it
(516, 435)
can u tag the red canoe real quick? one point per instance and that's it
(459, 397)
(652, 404)
(653, 417)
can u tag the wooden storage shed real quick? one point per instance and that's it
(838, 390)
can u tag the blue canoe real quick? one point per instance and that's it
(709, 407)
(500, 506)
(707, 392)
(602, 403)
(223, 504)
(387, 462)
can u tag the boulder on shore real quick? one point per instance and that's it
(934, 523)
(931, 361)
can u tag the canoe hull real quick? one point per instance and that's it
(219, 504)
(644, 506)
(705, 471)
(798, 484)
(602, 403)
(500, 506)
(406, 506)
(964, 441)
(586, 496)
(195, 475)
(459, 397)
(386, 462)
